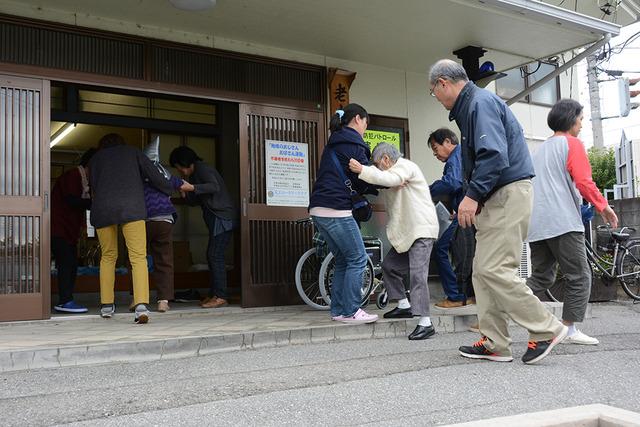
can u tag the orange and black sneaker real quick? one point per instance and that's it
(479, 351)
(538, 350)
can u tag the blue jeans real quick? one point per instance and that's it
(345, 243)
(215, 257)
(448, 278)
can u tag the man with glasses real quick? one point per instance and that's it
(497, 172)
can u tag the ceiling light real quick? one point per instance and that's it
(61, 133)
(193, 5)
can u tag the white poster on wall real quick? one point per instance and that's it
(287, 173)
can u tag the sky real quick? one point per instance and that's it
(627, 60)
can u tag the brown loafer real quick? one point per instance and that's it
(215, 303)
(447, 303)
(207, 300)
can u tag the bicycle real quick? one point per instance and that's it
(315, 268)
(623, 267)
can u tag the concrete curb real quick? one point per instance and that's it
(192, 346)
(588, 415)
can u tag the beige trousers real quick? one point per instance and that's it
(500, 294)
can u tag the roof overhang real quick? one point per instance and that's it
(403, 34)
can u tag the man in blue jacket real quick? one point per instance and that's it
(498, 198)
(444, 144)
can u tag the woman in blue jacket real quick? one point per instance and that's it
(330, 207)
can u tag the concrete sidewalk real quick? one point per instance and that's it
(89, 339)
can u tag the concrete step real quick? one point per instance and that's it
(85, 340)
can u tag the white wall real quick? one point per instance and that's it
(383, 91)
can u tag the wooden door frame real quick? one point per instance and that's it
(256, 211)
(36, 305)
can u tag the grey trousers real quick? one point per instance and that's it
(415, 263)
(567, 251)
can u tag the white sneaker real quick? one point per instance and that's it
(359, 318)
(580, 338)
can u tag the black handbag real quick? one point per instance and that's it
(360, 207)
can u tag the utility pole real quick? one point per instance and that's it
(594, 98)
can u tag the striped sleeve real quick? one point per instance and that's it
(580, 170)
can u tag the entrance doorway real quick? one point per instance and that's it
(83, 114)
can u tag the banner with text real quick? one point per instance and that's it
(374, 137)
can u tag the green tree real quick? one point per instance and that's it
(603, 167)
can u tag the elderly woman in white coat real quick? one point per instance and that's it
(412, 229)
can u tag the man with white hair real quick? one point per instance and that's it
(412, 229)
(497, 172)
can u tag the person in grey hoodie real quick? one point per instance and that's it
(117, 175)
(207, 188)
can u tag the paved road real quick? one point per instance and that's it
(375, 382)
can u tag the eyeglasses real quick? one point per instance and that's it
(433, 88)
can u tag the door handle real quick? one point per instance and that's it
(46, 201)
(244, 206)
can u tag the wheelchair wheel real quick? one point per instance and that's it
(382, 300)
(326, 277)
(307, 280)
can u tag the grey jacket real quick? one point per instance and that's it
(494, 151)
(210, 191)
(117, 176)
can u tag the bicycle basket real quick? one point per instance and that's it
(322, 250)
(604, 241)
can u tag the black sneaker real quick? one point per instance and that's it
(538, 350)
(479, 351)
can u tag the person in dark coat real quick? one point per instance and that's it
(330, 207)
(207, 189)
(118, 172)
(70, 199)
(497, 172)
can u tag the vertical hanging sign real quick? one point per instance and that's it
(339, 85)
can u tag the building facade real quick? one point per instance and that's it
(229, 81)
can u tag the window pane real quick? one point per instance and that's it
(547, 93)
(512, 84)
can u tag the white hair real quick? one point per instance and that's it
(447, 69)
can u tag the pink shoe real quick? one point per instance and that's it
(360, 317)
(337, 318)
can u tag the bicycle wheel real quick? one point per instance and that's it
(326, 277)
(307, 283)
(629, 263)
(556, 292)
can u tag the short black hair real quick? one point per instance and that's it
(563, 115)
(111, 140)
(439, 135)
(87, 155)
(183, 156)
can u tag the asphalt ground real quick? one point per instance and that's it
(366, 382)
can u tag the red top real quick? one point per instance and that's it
(67, 220)
(580, 170)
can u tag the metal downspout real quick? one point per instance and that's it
(591, 49)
